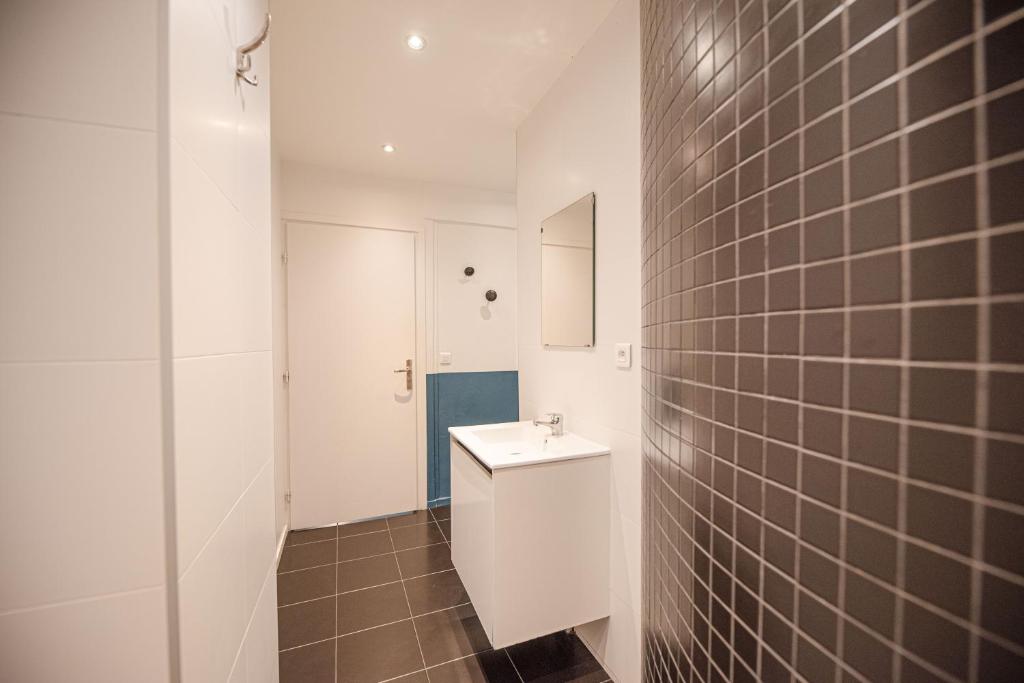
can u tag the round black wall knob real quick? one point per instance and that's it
(469, 271)
(491, 295)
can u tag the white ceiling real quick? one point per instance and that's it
(344, 83)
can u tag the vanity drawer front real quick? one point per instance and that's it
(473, 531)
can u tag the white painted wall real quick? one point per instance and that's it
(584, 136)
(220, 169)
(317, 192)
(479, 335)
(83, 579)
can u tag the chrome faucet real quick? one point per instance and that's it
(554, 421)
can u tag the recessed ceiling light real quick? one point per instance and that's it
(389, 148)
(416, 42)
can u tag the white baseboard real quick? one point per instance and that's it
(280, 545)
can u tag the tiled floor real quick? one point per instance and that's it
(380, 601)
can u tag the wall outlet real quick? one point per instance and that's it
(623, 355)
(446, 358)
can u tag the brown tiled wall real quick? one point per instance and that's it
(833, 361)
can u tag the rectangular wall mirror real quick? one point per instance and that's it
(567, 275)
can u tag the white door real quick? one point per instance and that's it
(351, 324)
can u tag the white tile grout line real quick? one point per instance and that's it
(354, 559)
(370, 628)
(364, 588)
(514, 667)
(901, 74)
(982, 343)
(883, 583)
(433, 520)
(415, 630)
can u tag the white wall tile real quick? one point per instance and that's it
(254, 121)
(212, 604)
(82, 493)
(254, 185)
(626, 473)
(78, 250)
(616, 641)
(208, 448)
(249, 19)
(279, 293)
(625, 565)
(260, 540)
(114, 638)
(261, 639)
(204, 95)
(255, 396)
(238, 673)
(221, 276)
(221, 239)
(83, 61)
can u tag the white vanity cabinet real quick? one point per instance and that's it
(530, 541)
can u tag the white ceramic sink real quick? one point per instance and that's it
(513, 444)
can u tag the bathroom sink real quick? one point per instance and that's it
(529, 528)
(514, 444)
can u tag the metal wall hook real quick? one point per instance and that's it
(243, 62)
(491, 295)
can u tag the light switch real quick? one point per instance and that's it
(623, 355)
(446, 358)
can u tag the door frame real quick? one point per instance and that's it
(419, 363)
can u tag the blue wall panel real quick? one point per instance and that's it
(457, 399)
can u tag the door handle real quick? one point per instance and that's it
(408, 373)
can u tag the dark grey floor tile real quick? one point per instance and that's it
(365, 545)
(492, 666)
(369, 571)
(371, 607)
(356, 528)
(435, 591)
(326, 533)
(416, 536)
(418, 677)
(441, 512)
(378, 654)
(308, 555)
(557, 657)
(450, 634)
(307, 622)
(309, 664)
(425, 560)
(409, 519)
(446, 528)
(306, 584)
